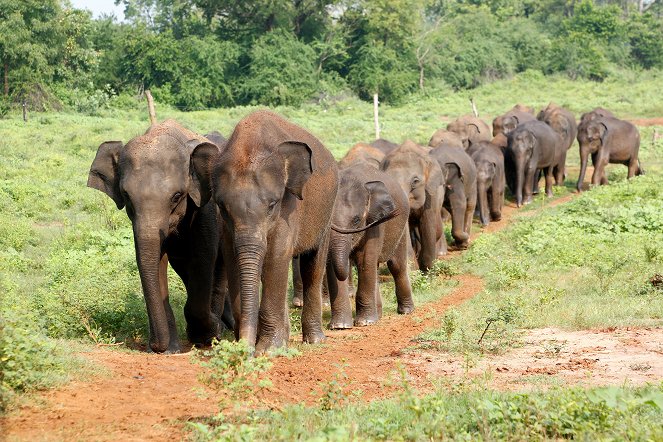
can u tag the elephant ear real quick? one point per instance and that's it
(202, 157)
(299, 165)
(104, 173)
(435, 177)
(381, 205)
(475, 125)
(603, 132)
(457, 166)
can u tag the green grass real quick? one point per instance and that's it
(584, 264)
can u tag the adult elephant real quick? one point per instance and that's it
(442, 136)
(470, 129)
(385, 146)
(489, 161)
(460, 197)
(532, 146)
(503, 124)
(564, 123)
(173, 222)
(275, 185)
(369, 227)
(421, 178)
(608, 140)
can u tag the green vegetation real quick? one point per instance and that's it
(196, 54)
(585, 264)
(463, 413)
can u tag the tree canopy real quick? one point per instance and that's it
(208, 53)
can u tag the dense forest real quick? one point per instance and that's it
(196, 54)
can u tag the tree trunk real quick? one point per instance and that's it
(6, 79)
(150, 107)
(421, 77)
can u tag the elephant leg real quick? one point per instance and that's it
(560, 170)
(221, 305)
(367, 271)
(469, 212)
(428, 229)
(398, 269)
(530, 174)
(341, 309)
(274, 321)
(297, 285)
(549, 180)
(458, 216)
(202, 324)
(313, 265)
(599, 169)
(633, 168)
(411, 241)
(536, 177)
(174, 342)
(584, 156)
(496, 201)
(350, 281)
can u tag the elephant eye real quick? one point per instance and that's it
(271, 206)
(415, 182)
(176, 198)
(356, 220)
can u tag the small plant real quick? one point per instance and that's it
(333, 395)
(651, 252)
(449, 323)
(442, 268)
(507, 313)
(5, 107)
(419, 281)
(233, 372)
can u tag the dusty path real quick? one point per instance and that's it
(149, 397)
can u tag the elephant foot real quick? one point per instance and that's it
(496, 217)
(203, 334)
(316, 337)
(405, 309)
(340, 325)
(461, 245)
(363, 320)
(297, 301)
(173, 348)
(265, 344)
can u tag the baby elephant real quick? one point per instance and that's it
(369, 226)
(489, 160)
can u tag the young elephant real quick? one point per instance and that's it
(442, 136)
(421, 178)
(564, 123)
(470, 129)
(532, 146)
(275, 185)
(385, 146)
(489, 161)
(460, 196)
(172, 223)
(608, 140)
(369, 227)
(363, 153)
(503, 124)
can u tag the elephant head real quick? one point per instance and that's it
(363, 153)
(446, 137)
(360, 205)
(151, 176)
(417, 174)
(596, 133)
(470, 129)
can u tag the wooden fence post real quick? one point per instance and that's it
(25, 111)
(150, 107)
(375, 116)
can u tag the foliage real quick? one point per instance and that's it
(464, 414)
(232, 372)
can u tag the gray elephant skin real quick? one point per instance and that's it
(172, 223)
(369, 227)
(470, 129)
(507, 122)
(531, 146)
(421, 178)
(564, 123)
(460, 197)
(608, 140)
(489, 161)
(275, 185)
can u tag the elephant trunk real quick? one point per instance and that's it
(482, 192)
(148, 243)
(520, 180)
(250, 254)
(340, 248)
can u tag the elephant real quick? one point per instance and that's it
(503, 124)
(532, 146)
(275, 185)
(564, 123)
(172, 223)
(364, 153)
(422, 179)
(524, 108)
(442, 136)
(460, 197)
(470, 129)
(500, 140)
(217, 138)
(489, 161)
(385, 146)
(369, 227)
(608, 140)
(594, 114)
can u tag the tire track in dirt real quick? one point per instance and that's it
(150, 397)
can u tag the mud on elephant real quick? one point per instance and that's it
(275, 185)
(173, 222)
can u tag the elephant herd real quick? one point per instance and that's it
(230, 216)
